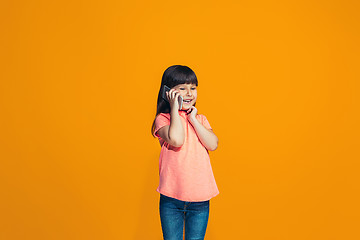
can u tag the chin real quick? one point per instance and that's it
(186, 107)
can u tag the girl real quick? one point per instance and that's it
(187, 182)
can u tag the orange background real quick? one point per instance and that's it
(278, 81)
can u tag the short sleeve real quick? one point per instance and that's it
(205, 122)
(161, 121)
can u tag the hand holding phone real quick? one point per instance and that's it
(167, 89)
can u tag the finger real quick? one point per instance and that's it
(174, 92)
(171, 94)
(177, 94)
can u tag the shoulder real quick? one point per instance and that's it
(201, 117)
(161, 120)
(163, 116)
(204, 121)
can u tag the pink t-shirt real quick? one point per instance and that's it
(185, 172)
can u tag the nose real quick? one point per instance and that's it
(189, 93)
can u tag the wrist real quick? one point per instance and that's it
(193, 119)
(174, 111)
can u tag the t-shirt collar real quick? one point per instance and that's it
(182, 113)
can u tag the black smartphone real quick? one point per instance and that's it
(166, 89)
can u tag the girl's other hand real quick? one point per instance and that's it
(172, 96)
(192, 112)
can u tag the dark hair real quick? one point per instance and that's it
(173, 76)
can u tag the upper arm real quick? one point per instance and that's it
(205, 123)
(161, 121)
(164, 134)
(162, 128)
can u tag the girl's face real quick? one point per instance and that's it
(189, 94)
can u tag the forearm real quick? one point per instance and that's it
(176, 130)
(207, 137)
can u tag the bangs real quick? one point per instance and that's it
(182, 75)
(186, 79)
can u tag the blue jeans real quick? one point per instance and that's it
(174, 214)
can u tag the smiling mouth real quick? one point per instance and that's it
(187, 101)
